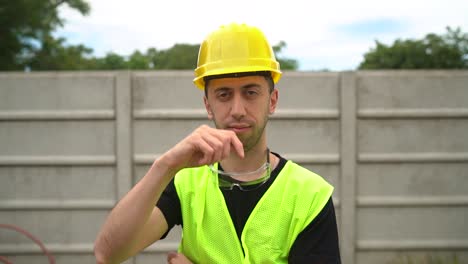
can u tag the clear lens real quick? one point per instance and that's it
(227, 182)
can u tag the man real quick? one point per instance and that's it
(237, 201)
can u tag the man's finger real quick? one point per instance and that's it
(226, 151)
(171, 255)
(216, 144)
(237, 144)
(206, 151)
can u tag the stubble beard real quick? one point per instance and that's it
(251, 140)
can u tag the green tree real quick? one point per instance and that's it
(447, 51)
(26, 42)
(26, 24)
(54, 55)
(178, 57)
(138, 61)
(112, 61)
(286, 63)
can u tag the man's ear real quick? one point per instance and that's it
(208, 108)
(273, 101)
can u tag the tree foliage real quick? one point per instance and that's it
(26, 28)
(54, 55)
(447, 51)
(179, 57)
(111, 61)
(26, 24)
(285, 63)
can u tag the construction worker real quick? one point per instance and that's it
(237, 201)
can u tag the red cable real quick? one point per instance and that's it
(5, 260)
(30, 236)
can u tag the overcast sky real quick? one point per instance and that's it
(326, 34)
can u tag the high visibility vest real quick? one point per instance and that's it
(293, 200)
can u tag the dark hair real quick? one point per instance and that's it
(265, 74)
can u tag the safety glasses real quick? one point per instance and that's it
(226, 180)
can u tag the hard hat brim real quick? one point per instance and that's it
(216, 69)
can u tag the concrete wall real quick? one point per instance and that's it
(394, 145)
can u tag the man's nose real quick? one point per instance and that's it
(237, 107)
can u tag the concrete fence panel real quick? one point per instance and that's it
(393, 143)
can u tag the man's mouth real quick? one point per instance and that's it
(239, 128)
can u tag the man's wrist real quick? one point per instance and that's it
(165, 166)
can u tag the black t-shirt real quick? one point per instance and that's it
(317, 243)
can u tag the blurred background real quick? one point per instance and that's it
(320, 36)
(374, 97)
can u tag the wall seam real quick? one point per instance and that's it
(348, 102)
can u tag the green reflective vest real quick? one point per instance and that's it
(293, 200)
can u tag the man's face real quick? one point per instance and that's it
(242, 105)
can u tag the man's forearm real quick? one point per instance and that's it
(122, 229)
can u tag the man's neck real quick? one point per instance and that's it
(253, 160)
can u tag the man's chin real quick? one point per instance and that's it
(246, 142)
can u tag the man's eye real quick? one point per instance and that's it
(223, 95)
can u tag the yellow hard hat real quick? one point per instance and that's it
(235, 48)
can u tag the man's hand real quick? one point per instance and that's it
(177, 258)
(203, 146)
